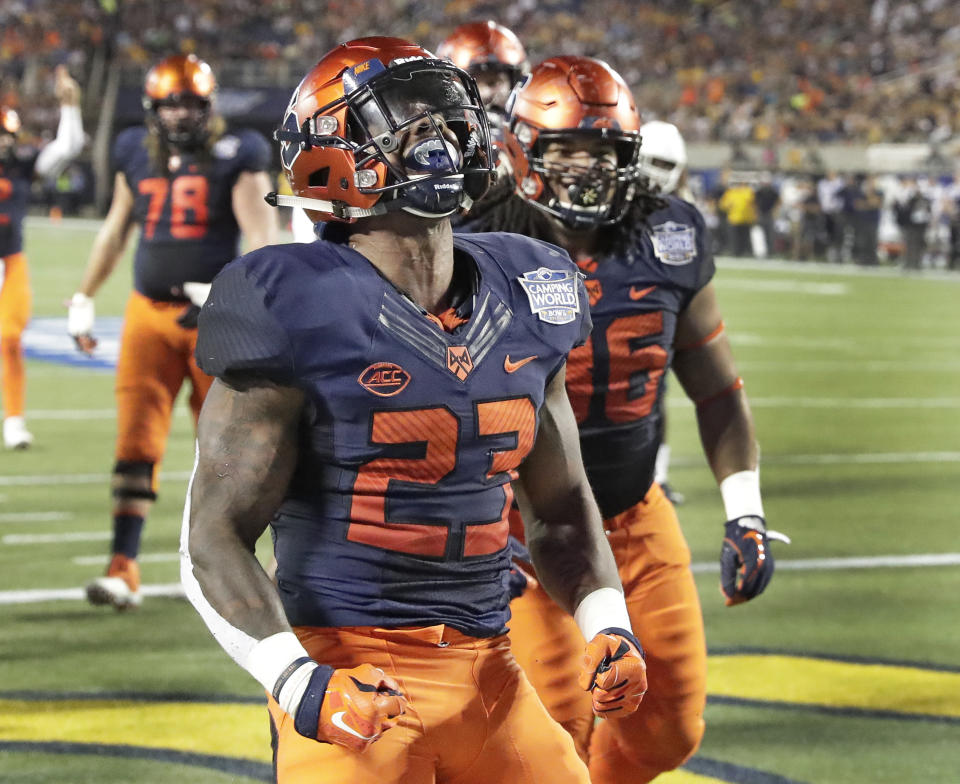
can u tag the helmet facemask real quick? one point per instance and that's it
(420, 121)
(586, 195)
(183, 120)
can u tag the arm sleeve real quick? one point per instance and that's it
(238, 334)
(706, 266)
(66, 145)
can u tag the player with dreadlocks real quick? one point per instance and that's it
(573, 140)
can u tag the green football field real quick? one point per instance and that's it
(847, 671)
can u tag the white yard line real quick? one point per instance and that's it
(839, 402)
(98, 560)
(821, 268)
(74, 536)
(800, 564)
(34, 517)
(77, 479)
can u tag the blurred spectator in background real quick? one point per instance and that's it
(864, 202)
(831, 206)
(738, 203)
(767, 198)
(913, 214)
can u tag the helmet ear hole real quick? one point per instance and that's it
(319, 178)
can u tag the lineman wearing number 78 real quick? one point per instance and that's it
(193, 188)
(378, 391)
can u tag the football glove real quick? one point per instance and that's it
(80, 315)
(746, 560)
(188, 317)
(351, 708)
(614, 672)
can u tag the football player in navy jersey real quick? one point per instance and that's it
(19, 164)
(378, 393)
(192, 188)
(573, 139)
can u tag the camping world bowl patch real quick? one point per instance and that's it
(674, 243)
(553, 294)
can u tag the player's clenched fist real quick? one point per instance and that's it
(351, 708)
(614, 673)
(746, 561)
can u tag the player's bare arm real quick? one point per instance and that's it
(256, 218)
(574, 562)
(108, 247)
(705, 367)
(247, 448)
(562, 523)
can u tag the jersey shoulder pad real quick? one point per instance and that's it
(129, 143)
(681, 243)
(246, 147)
(541, 283)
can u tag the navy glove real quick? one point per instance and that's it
(746, 560)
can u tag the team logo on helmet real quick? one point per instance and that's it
(674, 243)
(552, 294)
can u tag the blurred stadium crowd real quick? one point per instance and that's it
(730, 71)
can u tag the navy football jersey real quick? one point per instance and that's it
(397, 512)
(188, 229)
(615, 380)
(16, 173)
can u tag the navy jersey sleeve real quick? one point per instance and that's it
(125, 147)
(255, 152)
(238, 335)
(706, 265)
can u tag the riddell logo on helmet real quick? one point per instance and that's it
(384, 379)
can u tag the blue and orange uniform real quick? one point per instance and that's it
(391, 543)
(188, 233)
(615, 385)
(16, 174)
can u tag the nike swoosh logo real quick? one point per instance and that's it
(636, 293)
(337, 719)
(513, 367)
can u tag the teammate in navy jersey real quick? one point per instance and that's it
(573, 141)
(378, 393)
(192, 188)
(19, 164)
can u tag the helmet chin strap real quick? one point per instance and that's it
(338, 209)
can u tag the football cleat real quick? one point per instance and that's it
(15, 433)
(120, 587)
(672, 495)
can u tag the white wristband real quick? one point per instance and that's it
(602, 609)
(741, 494)
(269, 658)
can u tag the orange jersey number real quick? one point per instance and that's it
(188, 205)
(6, 189)
(629, 366)
(436, 432)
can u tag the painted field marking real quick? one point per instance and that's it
(96, 560)
(788, 286)
(822, 268)
(34, 517)
(839, 402)
(74, 536)
(175, 590)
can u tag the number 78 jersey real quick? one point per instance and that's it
(397, 513)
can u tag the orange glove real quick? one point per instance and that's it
(351, 708)
(614, 672)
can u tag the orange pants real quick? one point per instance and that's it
(654, 565)
(16, 299)
(156, 356)
(472, 717)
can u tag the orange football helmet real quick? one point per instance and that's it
(182, 80)
(9, 121)
(380, 124)
(485, 49)
(576, 98)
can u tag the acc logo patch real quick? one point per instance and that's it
(552, 294)
(674, 243)
(384, 379)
